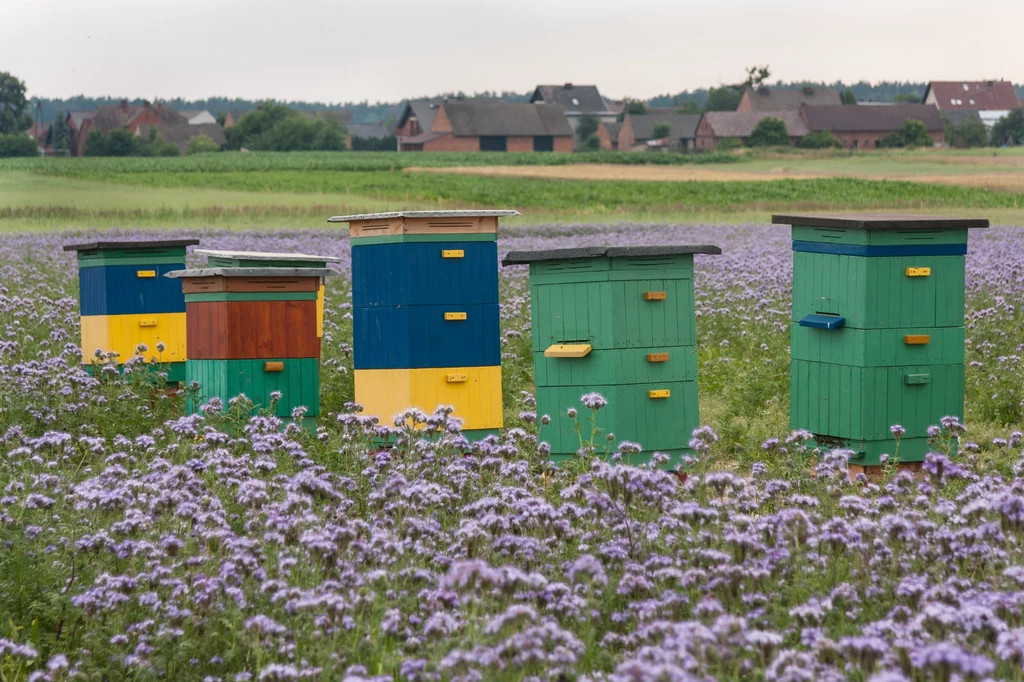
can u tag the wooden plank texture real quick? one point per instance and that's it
(200, 285)
(122, 334)
(477, 399)
(253, 329)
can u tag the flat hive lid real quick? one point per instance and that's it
(153, 244)
(250, 272)
(526, 257)
(423, 214)
(261, 255)
(879, 221)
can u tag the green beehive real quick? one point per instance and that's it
(618, 321)
(877, 329)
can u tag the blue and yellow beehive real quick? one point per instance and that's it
(126, 302)
(426, 325)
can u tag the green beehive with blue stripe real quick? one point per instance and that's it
(618, 321)
(877, 329)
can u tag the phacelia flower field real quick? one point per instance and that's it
(137, 542)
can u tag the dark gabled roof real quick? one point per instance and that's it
(378, 130)
(855, 118)
(152, 244)
(576, 100)
(973, 95)
(423, 109)
(612, 129)
(180, 134)
(471, 118)
(879, 221)
(961, 116)
(77, 118)
(524, 257)
(681, 126)
(742, 123)
(767, 99)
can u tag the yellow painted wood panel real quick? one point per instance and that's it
(388, 392)
(320, 311)
(122, 334)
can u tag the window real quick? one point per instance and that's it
(853, 145)
(543, 143)
(493, 143)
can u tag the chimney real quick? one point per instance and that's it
(568, 86)
(124, 105)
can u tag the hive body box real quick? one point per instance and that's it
(877, 329)
(619, 322)
(254, 331)
(259, 259)
(426, 328)
(126, 302)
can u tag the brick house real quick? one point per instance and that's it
(416, 117)
(864, 127)
(232, 117)
(715, 126)
(119, 116)
(608, 135)
(766, 99)
(971, 95)
(577, 101)
(180, 134)
(637, 131)
(474, 126)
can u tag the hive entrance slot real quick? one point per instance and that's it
(442, 224)
(919, 236)
(368, 228)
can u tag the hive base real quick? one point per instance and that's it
(175, 371)
(875, 474)
(675, 458)
(869, 453)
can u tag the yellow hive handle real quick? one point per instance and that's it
(657, 357)
(454, 316)
(655, 295)
(919, 272)
(452, 253)
(659, 393)
(456, 378)
(568, 350)
(917, 339)
(145, 274)
(273, 366)
(147, 322)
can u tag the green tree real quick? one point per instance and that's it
(276, 127)
(661, 130)
(201, 144)
(586, 127)
(1009, 130)
(769, 132)
(847, 97)
(970, 133)
(591, 144)
(756, 76)
(725, 98)
(690, 107)
(633, 106)
(820, 139)
(18, 144)
(727, 144)
(59, 136)
(911, 133)
(907, 97)
(117, 142)
(14, 116)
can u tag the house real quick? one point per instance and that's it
(766, 99)
(718, 125)
(119, 116)
(637, 131)
(576, 100)
(417, 116)
(232, 117)
(865, 127)
(480, 126)
(180, 134)
(608, 134)
(971, 95)
(197, 116)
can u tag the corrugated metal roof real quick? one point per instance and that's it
(423, 214)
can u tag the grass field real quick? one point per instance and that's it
(252, 190)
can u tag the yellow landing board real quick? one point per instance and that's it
(124, 333)
(475, 392)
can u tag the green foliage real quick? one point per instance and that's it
(690, 106)
(661, 130)
(374, 144)
(1009, 130)
(276, 127)
(756, 76)
(728, 144)
(911, 133)
(908, 97)
(590, 144)
(586, 133)
(18, 144)
(60, 133)
(635, 106)
(201, 144)
(847, 97)
(769, 132)
(14, 116)
(820, 139)
(120, 142)
(725, 98)
(970, 133)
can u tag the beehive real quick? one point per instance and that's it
(126, 302)
(426, 329)
(254, 331)
(877, 329)
(258, 259)
(618, 321)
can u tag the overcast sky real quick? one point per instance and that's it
(343, 50)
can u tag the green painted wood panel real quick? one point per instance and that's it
(877, 347)
(175, 370)
(675, 458)
(874, 293)
(611, 367)
(836, 235)
(847, 402)
(631, 415)
(299, 382)
(614, 314)
(132, 259)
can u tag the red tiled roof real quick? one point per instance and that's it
(973, 95)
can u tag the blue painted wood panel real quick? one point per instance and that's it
(413, 337)
(118, 290)
(417, 274)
